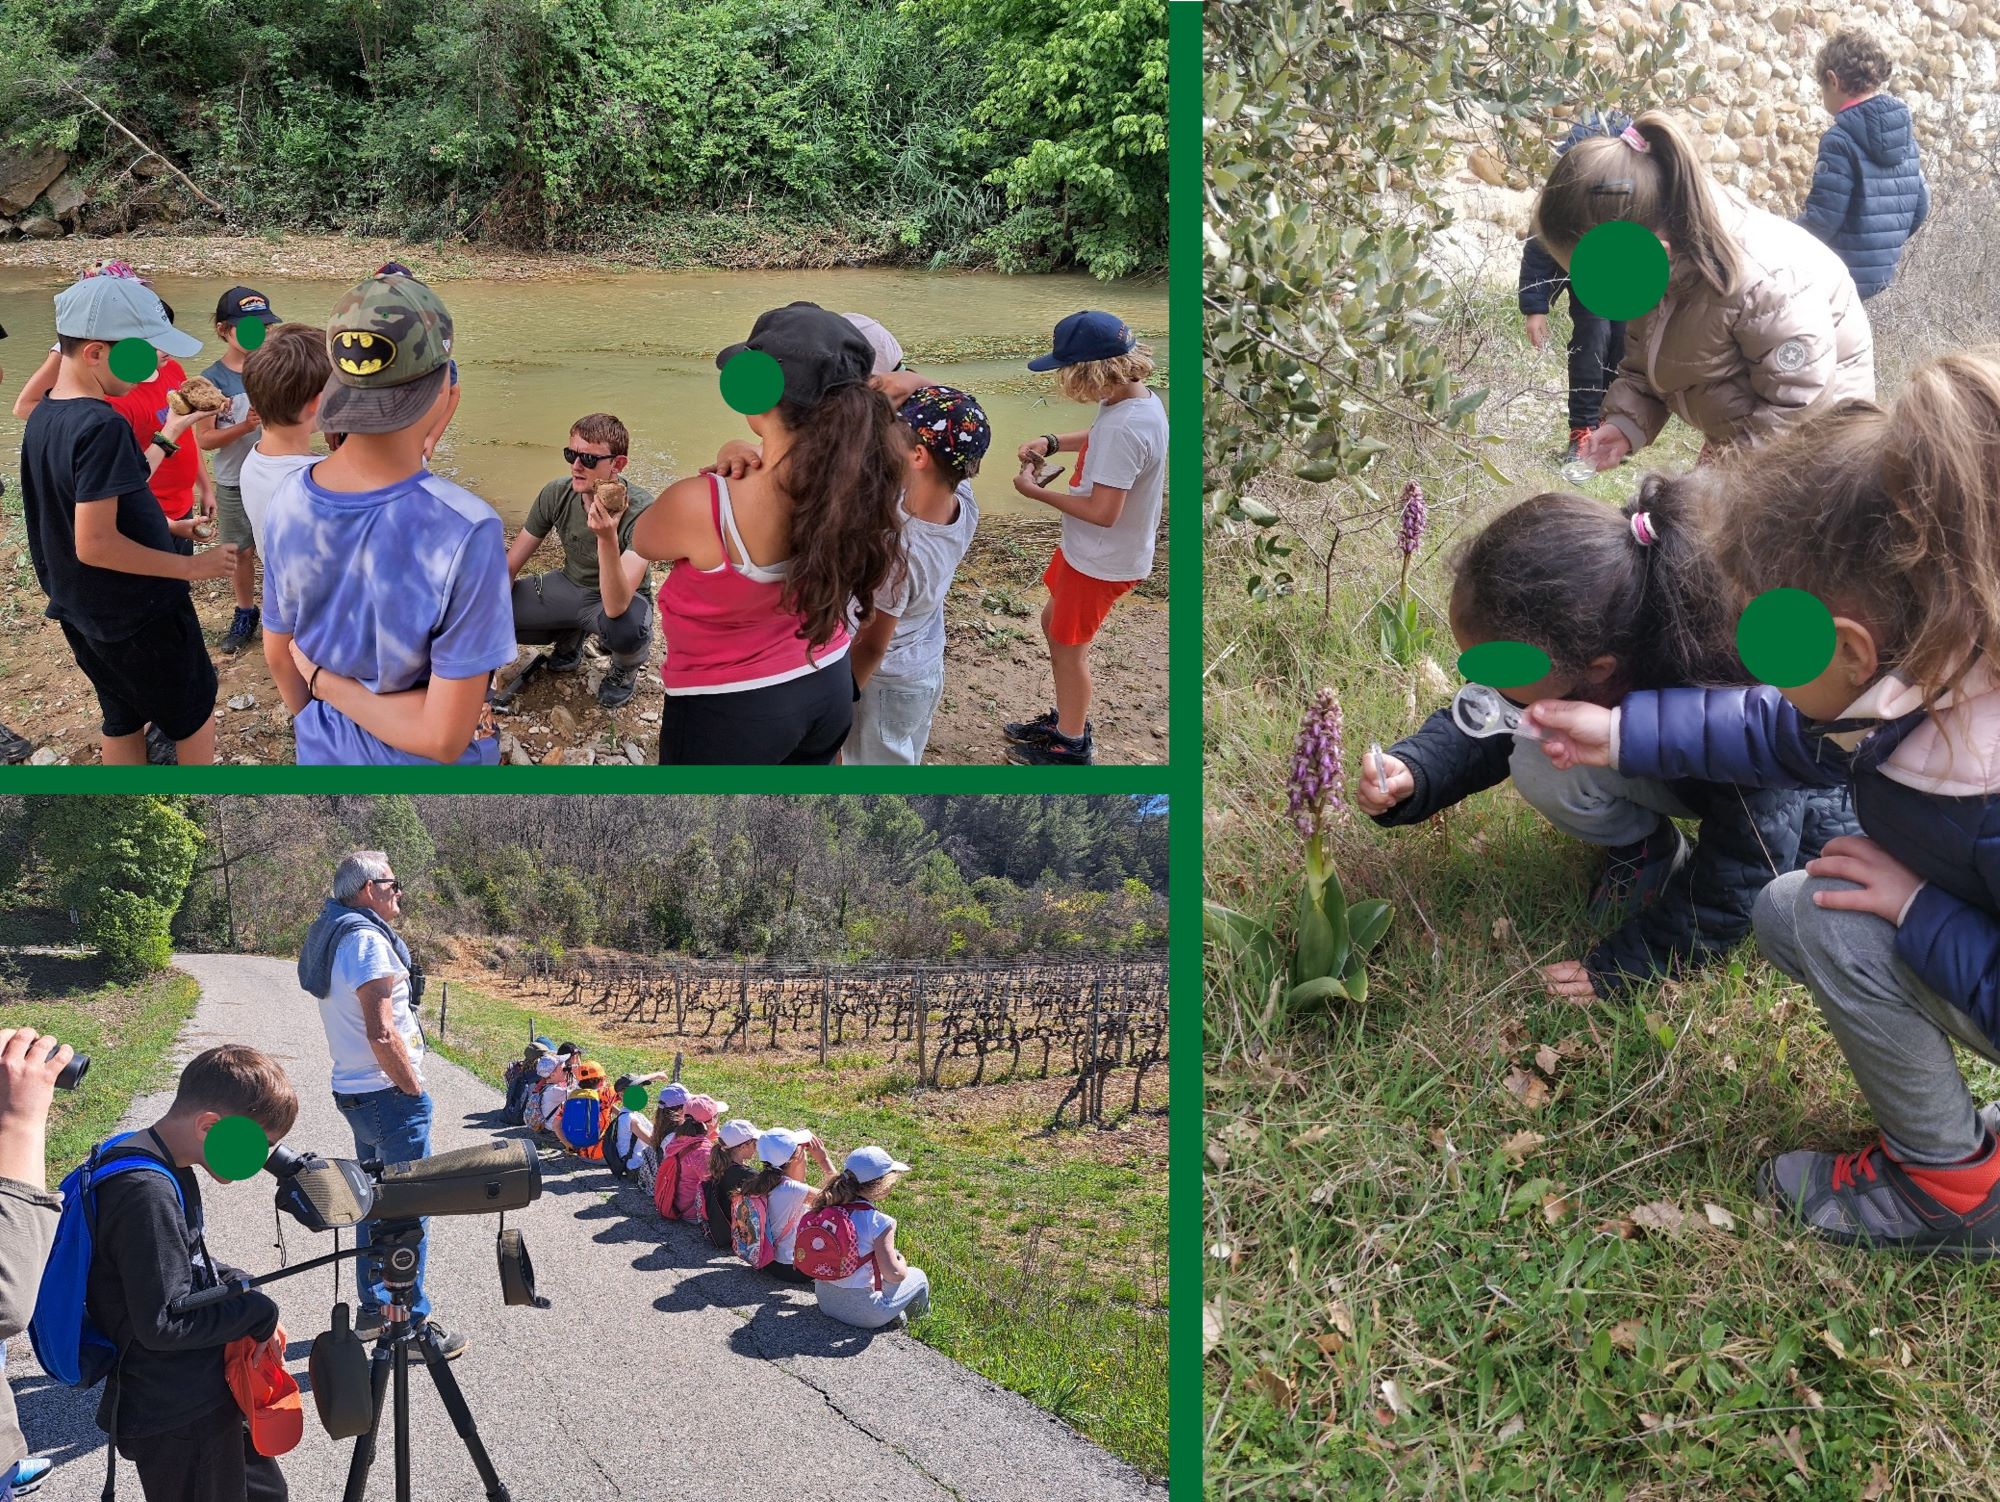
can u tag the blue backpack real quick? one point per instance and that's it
(70, 1348)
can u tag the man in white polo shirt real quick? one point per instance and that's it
(358, 967)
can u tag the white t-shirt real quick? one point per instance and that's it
(549, 1105)
(1128, 449)
(262, 476)
(931, 554)
(788, 1202)
(364, 956)
(870, 1226)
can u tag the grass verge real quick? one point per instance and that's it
(128, 1031)
(1047, 1268)
(1466, 1240)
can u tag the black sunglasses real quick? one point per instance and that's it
(588, 461)
(387, 881)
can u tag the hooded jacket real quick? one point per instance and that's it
(1926, 789)
(1868, 190)
(1747, 836)
(1542, 276)
(335, 922)
(1790, 339)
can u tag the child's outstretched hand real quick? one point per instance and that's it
(213, 563)
(1606, 447)
(1376, 796)
(1883, 884)
(1568, 980)
(1573, 734)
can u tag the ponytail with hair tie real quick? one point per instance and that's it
(1631, 137)
(1643, 530)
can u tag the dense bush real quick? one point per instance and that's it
(1030, 132)
(121, 864)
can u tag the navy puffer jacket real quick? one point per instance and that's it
(1747, 836)
(1950, 936)
(1868, 190)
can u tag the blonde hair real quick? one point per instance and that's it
(1892, 516)
(1093, 380)
(1665, 188)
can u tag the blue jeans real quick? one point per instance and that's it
(390, 1127)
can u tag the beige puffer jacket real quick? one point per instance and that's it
(1793, 339)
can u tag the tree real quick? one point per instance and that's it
(122, 863)
(393, 827)
(1329, 126)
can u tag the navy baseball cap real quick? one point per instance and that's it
(1087, 336)
(239, 303)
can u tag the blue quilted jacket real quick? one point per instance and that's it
(1868, 190)
(1951, 934)
(1542, 278)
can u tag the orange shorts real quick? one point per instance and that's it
(1078, 603)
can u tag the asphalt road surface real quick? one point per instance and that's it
(664, 1370)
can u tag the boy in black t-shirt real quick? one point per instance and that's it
(167, 1404)
(99, 540)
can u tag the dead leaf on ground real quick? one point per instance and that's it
(1547, 1060)
(1530, 1089)
(1330, 1343)
(1217, 1155)
(1325, 1194)
(1341, 1318)
(1878, 1483)
(1807, 1395)
(1833, 1344)
(1310, 1138)
(1650, 1421)
(1273, 1385)
(1661, 1216)
(1392, 1394)
(1211, 1327)
(1625, 1334)
(1795, 1450)
(1511, 1035)
(1517, 1147)
(1503, 928)
(1718, 1217)
(1620, 1226)
(1555, 1208)
(1511, 1428)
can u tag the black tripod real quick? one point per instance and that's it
(392, 1248)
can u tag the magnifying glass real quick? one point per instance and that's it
(1483, 712)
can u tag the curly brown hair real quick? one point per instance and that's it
(1856, 60)
(843, 475)
(1889, 516)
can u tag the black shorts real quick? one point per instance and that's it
(800, 722)
(160, 675)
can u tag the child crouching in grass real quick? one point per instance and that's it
(1111, 517)
(1618, 600)
(1892, 521)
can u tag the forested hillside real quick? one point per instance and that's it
(817, 877)
(1027, 133)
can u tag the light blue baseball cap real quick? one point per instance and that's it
(868, 1164)
(113, 308)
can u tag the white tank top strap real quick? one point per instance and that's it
(734, 551)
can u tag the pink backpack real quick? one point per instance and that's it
(677, 1186)
(827, 1247)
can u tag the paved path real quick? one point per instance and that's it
(735, 1389)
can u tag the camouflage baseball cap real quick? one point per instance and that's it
(390, 343)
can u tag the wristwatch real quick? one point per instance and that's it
(167, 448)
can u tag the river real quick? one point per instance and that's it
(535, 355)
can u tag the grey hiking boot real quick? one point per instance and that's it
(616, 689)
(1869, 1199)
(1637, 873)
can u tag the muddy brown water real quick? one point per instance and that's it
(533, 356)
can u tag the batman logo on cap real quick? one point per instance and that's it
(359, 352)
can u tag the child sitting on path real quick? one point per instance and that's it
(1760, 323)
(899, 648)
(1618, 600)
(1868, 191)
(885, 1288)
(782, 1182)
(684, 1155)
(729, 1171)
(386, 587)
(99, 540)
(283, 379)
(229, 439)
(1891, 520)
(1111, 517)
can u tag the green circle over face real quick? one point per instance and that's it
(250, 332)
(1785, 637)
(1619, 270)
(134, 360)
(235, 1148)
(634, 1097)
(752, 382)
(1504, 664)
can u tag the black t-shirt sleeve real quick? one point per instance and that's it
(142, 1233)
(108, 461)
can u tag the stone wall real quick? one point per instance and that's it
(1759, 118)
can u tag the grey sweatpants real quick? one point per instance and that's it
(1594, 804)
(551, 608)
(1896, 1032)
(870, 1308)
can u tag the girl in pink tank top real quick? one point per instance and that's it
(756, 668)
